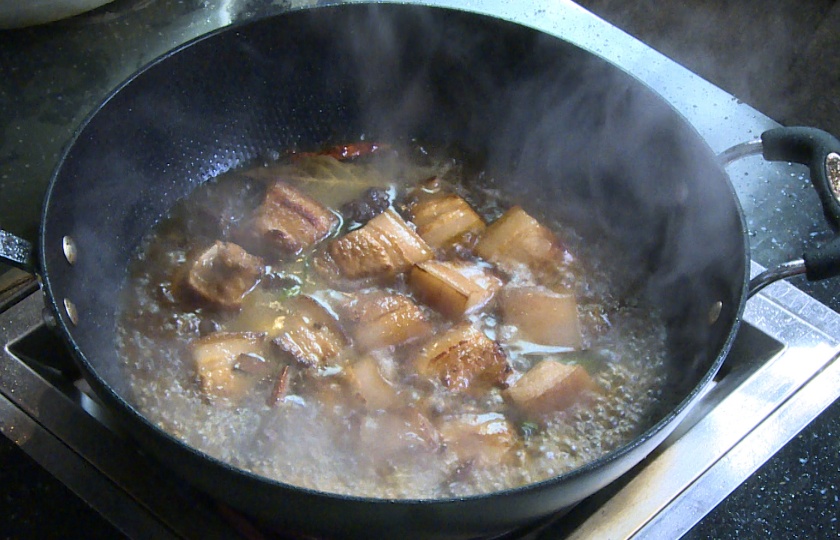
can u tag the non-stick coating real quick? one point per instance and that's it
(562, 130)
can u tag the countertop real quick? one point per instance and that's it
(55, 74)
(794, 495)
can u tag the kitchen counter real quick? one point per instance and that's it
(794, 495)
(54, 75)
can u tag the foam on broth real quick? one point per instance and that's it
(309, 441)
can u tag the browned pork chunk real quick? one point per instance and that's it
(385, 247)
(445, 219)
(370, 385)
(483, 439)
(453, 288)
(223, 274)
(517, 239)
(382, 319)
(463, 359)
(551, 386)
(217, 360)
(288, 222)
(397, 433)
(542, 316)
(311, 336)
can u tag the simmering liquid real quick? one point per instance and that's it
(347, 324)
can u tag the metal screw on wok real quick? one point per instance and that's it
(68, 246)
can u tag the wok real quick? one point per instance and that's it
(559, 129)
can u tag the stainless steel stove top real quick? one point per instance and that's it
(781, 373)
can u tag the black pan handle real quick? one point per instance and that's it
(17, 252)
(820, 151)
(823, 261)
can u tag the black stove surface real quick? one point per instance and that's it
(27, 489)
(796, 494)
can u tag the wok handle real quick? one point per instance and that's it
(817, 149)
(820, 152)
(17, 252)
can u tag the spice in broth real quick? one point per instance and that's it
(371, 320)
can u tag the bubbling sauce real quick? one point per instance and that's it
(288, 355)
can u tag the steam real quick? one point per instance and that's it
(564, 132)
(556, 129)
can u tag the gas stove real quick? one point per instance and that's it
(781, 373)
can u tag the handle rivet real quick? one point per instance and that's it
(69, 247)
(714, 312)
(72, 313)
(832, 171)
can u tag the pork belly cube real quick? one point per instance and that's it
(217, 357)
(392, 434)
(550, 386)
(484, 439)
(444, 220)
(381, 319)
(453, 288)
(223, 274)
(542, 316)
(517, 239)
(288, 221)
(385, 247)
(370, 385)
(463, 359)
(311, 335)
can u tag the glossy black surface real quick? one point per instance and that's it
(794, 495)
(34, 505)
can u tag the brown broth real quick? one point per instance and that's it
(314, 440)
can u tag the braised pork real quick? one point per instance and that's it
(288, 222)
(217, 358)
(388, 436)
(382, 319)
(445, 219)
(483, 439)
(542, 316)
(385, 247)
(463, 359)
(551, 386)
(516, 241)
(369, 383)
(223, 274)
(311, 336)
(453, 288)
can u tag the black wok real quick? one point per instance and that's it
(561, 129)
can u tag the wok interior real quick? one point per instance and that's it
(561, 130)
